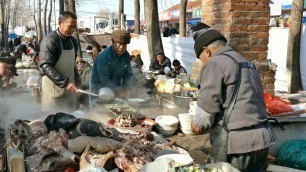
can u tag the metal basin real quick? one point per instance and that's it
(182, 99)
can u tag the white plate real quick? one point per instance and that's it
(179, 159)
(136, 100)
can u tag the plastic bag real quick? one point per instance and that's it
(276, 105)
(293, 154)
(32, 81)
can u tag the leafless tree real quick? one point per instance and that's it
(152, 27)
(104, 12)
(38, 20)
(49, 17)
(76, 33)
(182, 21)
(137, 17)
(66, 2)
(61, 6)
(14, 19)
(3, 22)
(7, 15)
(45, 18)
(121, 12)
(293, 52)
(113, 15)
(55, 19)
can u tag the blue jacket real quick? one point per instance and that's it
(112, 71)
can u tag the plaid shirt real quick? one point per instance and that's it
(179, 71)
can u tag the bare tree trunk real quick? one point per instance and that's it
(76, 33)
(121, 11)
(66, 2)
(182, 21)
(45, 18)
(152, 26)
(293, 52)
(61, 6)
(137, 17)
(55, 19)
(8, 12)
(34, 18)
(14, 22)
(49, 18)
(3, 24)
(38, 29)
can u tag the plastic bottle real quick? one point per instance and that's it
(24, 57)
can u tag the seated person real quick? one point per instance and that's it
(12, 72)
(159, 63)
(84, 70)
(95, 51)
(136, 61)
(7, 73)
(178, 69)
(138, 88)
(20, 49)
(5, 53)
(3, 72)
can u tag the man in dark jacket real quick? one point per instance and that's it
(57, 54)
(249, 132)
(112, 67)
(160, 62)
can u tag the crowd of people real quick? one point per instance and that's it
(230, 100)
(20, 50)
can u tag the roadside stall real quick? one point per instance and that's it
(121, 135)
(137, 134)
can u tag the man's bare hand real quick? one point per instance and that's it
(71, 87)
(195, 129)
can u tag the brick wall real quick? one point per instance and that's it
(245, 24)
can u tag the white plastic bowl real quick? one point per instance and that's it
(179, 159)
(19, 65)
(26, 64)
(185, 123)
(166, 125)
(187, 131)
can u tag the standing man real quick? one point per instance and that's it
(249, 132)
(112, 67)
(57, 54)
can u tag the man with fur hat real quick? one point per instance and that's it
(235, 113)
(112, 67)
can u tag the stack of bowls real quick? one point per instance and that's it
(166, 124)
(185, 123)
(186, 119)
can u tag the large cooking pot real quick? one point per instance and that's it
(182, 99)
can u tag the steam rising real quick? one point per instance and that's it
(21, 106)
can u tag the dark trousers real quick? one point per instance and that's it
(255, 161)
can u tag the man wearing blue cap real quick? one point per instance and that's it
(230, 104)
